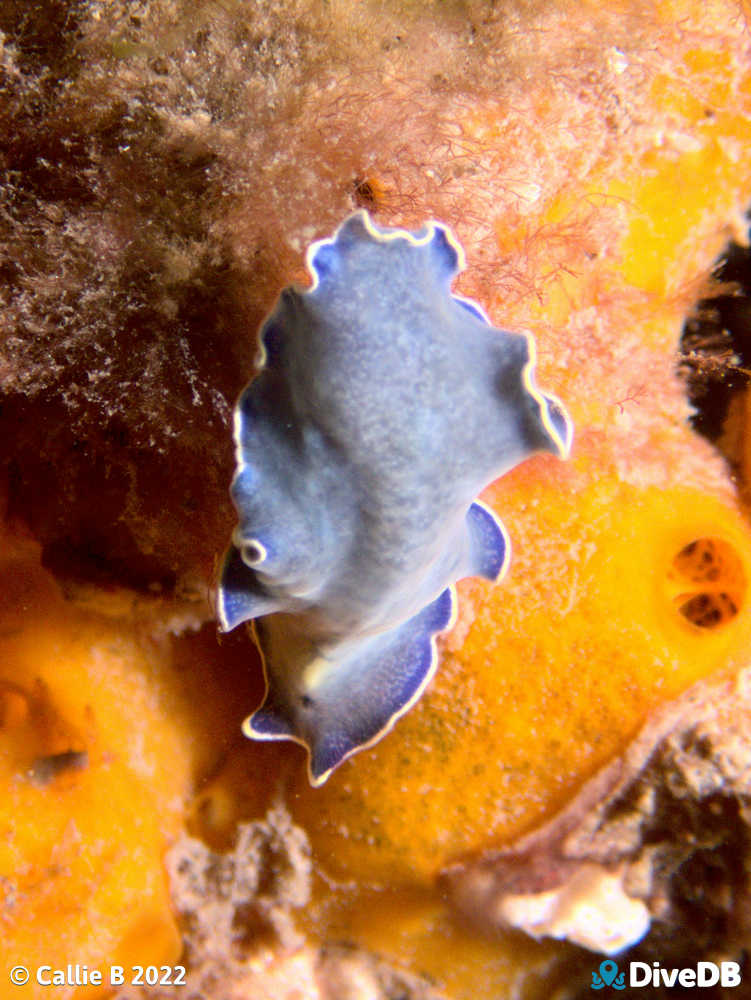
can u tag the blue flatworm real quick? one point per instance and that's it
(383, 405)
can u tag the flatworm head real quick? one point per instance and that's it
(384, 405)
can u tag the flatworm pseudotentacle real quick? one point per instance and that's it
(385, 404)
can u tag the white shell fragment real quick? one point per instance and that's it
(591, 909)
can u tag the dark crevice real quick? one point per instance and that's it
(715, 356)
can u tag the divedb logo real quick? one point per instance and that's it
(703, 974)
(609, 976)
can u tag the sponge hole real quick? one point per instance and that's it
(711, 584)
(709, 610)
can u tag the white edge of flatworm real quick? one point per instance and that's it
(386, 236)
(471, 302)
(317, 782)
(528, 378)
(237, 435)
(220, 612)
(397, 233)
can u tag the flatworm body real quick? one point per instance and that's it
(383, 406)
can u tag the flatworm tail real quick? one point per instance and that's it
(390, 677)
(349, 701)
